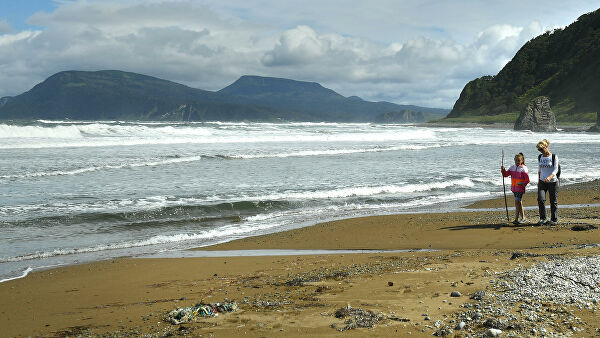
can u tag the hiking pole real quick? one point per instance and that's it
(504, 188)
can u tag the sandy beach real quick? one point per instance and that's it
(470, 253)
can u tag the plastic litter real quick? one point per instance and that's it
(191, 313)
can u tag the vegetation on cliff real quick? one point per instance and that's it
(563, 64)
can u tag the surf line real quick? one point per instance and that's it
(267, 252)
(25, 273)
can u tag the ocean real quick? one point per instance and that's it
(73, 192)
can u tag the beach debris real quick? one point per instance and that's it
(398, 319)
(390, 283)
(584, 227)
(298, 281)
(322, 288)
(191, 313)
(478, 295)
(516, 255)
(443, 331)
(267, 303)
(358, 318)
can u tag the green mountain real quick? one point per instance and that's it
(563, 65)
(317, 101)
(117, 95)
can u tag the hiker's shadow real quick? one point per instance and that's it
(494, 226)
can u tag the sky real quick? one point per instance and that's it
(420, 52)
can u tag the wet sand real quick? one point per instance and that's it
(299, 295)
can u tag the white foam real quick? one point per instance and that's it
(11, 131)
(222, 232)
(369, 191)
(25, 273)
(580, 175)
(106, 134)
(304, 153)
(156, 202)
(103, 167)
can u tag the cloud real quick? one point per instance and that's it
(297, 46)
(194, 44)
(5, 27)
(418, 71)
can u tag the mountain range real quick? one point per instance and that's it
(119, 95)
(562, 64)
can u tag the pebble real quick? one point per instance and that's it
(563, 281)
(460, 326)
(493, 333)
(455, 294)
(526, 301)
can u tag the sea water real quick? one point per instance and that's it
(74, 192)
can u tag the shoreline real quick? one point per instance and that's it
(488, 204)
(299, 295)
(581, 127)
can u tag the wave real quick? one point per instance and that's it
(210, 234)
(11, 131)
(252, 225)
(367, 208)
(106, 134)
(570, 177)
(185, 159)
(580, 176)
(103, 167)
(304, 153)
(166, 205)
(370, 191)
(23, 275)
(155, 212)
(99, 130)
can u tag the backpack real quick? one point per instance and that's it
(553, 161)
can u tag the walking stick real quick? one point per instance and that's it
(504, 188)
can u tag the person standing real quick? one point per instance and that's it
(519, 179)
(547, 182)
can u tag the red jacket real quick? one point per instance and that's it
(519, 176)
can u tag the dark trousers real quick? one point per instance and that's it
(552, 189)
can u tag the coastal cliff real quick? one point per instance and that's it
(562, 64)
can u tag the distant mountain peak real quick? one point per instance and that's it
(252, 85)
(355, 98)
(114, 94)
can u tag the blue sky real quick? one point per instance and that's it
(16, 12)
(409, 51)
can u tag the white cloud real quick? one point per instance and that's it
(296, 46)
(208, 46)
(5, 27)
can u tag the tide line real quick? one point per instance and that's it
(25, 273)
(267, 252)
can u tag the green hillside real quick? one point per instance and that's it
(317, 101)
(115, 94)
(563, 64)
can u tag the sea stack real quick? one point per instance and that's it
(537, 116)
